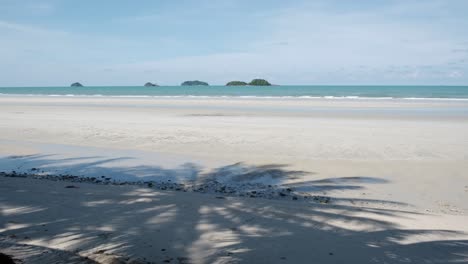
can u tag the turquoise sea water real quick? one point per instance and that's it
(411, 92)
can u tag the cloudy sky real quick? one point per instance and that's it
(123, 42)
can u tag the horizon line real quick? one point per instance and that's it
(224, 85)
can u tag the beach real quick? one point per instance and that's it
(330, 180)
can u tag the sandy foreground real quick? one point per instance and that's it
(396, 173)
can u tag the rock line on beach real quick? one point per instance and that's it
(251, 190)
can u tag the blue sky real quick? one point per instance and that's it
(56, 42)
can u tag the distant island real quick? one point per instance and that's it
(150, 84)
(254, 82)
(236, 83)
(259, 82)
(77, 84)
(194, 83)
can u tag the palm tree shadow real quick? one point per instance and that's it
(138, 223)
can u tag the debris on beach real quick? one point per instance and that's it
(208, 186)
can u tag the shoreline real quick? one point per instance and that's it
(284, 92)
(243, 97)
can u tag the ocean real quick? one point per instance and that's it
(304, 91)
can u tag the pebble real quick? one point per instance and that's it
(253, 190)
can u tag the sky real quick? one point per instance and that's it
(124, 42)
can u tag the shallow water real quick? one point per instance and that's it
(306, 91)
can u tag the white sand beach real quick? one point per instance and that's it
(394, 172)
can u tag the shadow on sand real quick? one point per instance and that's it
(133, 223)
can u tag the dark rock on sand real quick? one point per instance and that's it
(254, 190)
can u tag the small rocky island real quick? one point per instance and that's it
(150, 84)
(254, 82)
(77, 84)
(194, 83)
(259, 82)
(236, 83)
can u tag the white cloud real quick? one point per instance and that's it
(305, 45)
(310, 43)
(455, 74)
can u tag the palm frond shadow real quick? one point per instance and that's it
(138, 222)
